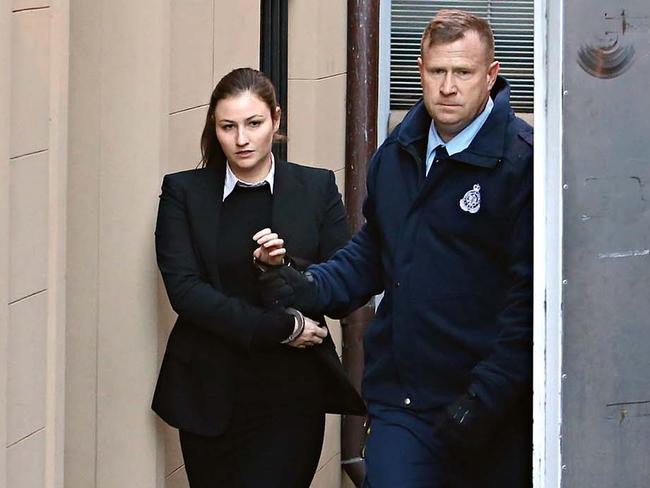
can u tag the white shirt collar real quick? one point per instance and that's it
(460, 141)
(232, 181)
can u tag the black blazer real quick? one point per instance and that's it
(194, 388)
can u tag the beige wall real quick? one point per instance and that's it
(317, 84)
(119, 90)
(5, 104)
(33, 142)
(99, 99)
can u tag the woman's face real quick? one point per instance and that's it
(245, 128)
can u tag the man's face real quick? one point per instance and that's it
(456, 80)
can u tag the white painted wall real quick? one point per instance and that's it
(547, 383)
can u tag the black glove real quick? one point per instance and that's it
(284, 286)
(466, 424)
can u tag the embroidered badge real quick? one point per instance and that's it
(471, 202)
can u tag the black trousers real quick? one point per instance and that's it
(260, 450)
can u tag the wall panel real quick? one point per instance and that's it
(29, 4)
(236, 35)
(318, 44)
(317, 124)
(135, 102)
(119, 106)
(34, 179)
(5, 117)
(26, 463)
(29, 200)
(328, 475)
(26, 367)
(606, 248)
(191, 53)
(184, 138)
(82, 245)
(30, 81)
(177, 479)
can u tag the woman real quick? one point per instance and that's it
(246, 387)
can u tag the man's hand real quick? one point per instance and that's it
(466, 424)
(287, 287)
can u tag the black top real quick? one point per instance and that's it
(276, 377)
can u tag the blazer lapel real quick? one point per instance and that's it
(287, 212)
(205, 207)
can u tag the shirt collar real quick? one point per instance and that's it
(232, 181)
(464, 138)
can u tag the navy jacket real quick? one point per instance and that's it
(457, 309)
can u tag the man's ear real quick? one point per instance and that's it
(421, 70)
(493, 71)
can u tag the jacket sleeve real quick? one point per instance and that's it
(506, 373)
(353, 274)
(190, 293)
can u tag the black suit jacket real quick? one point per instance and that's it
(195, 385)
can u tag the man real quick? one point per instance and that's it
(448, 238)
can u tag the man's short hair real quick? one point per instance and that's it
(450, 25)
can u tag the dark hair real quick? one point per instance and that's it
(450, 25)
(238, 81)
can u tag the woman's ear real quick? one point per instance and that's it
(277, 116)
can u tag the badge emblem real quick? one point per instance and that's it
(471, 202)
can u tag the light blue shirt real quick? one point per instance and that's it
(460, 141)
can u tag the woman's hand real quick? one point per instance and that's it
(270, 251)
(311, 335)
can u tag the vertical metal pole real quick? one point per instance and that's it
(361, 105)
(360, 144)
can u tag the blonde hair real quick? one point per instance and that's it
(450, 25)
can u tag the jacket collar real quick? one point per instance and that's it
(206, 201)
(287, 196)
(212, 184)
(487, 148)
(232, 180)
